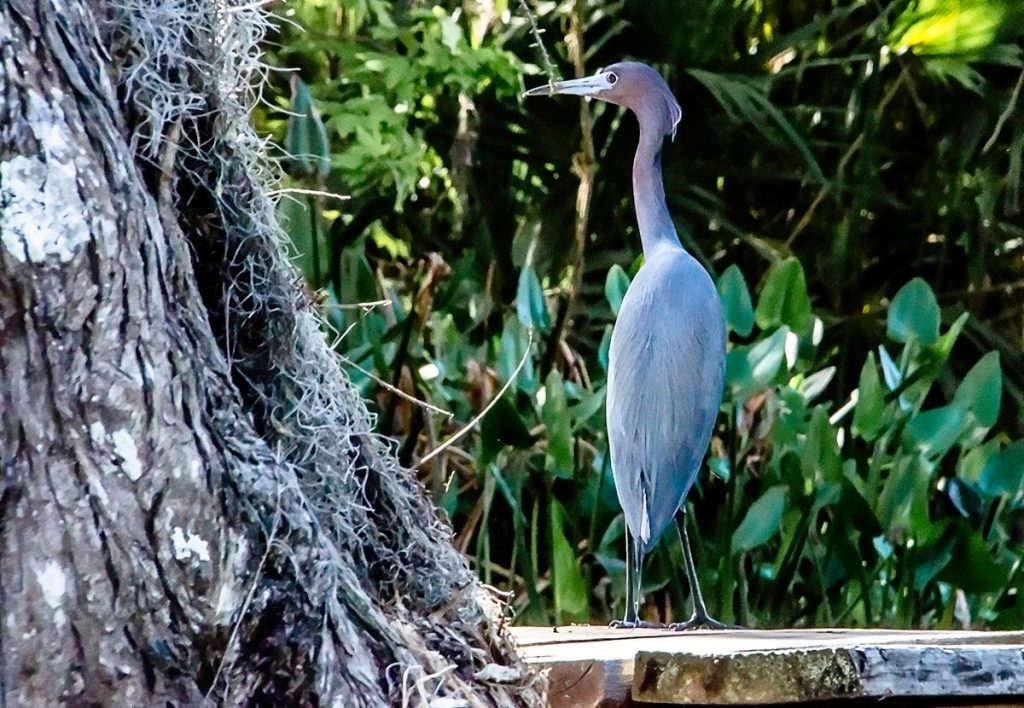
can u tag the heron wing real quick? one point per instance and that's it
(666, 370)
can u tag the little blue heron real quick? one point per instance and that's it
(667, 358)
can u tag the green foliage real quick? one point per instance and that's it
(857, 164)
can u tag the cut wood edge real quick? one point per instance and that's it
(828, 673)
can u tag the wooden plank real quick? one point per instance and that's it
(795, 676)
(591, 666)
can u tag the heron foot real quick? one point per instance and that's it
(701, 621)
(635, 624)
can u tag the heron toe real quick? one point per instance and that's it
(635, 624)
(698, 621)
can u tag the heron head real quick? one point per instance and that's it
(631, 84)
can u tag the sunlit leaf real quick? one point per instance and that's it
(813, 385)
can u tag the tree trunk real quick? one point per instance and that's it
(193, 502)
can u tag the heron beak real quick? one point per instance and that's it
(587, 86)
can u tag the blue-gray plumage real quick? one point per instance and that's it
(667, 358)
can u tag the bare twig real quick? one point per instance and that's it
(1005, 116)
(548, 66)
(358, 305)
(479, 416)
(309, 192)
(397, 391)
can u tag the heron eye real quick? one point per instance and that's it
(612, 78)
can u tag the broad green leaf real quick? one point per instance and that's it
(932, 559)
(944, 346)
(868, 415)
(904, 498)
(762, 520)
(555, 414)
(503, 426)
(611, 539)
(531, 307)
(821, 458)
(735, 296)
(570, 589)
(965, 498)
(914, 314)
(981, 390)
(935, 431)
(755, 366)
(974, 568)
(309, 154)
(948, 28)
(514, 342)
(294, 216)
(1004, 471)
(783, 299)
(615, 286)
(589, 404)
(512, 495)
(719, 467)
(975, 459)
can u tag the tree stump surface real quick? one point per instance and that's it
(597, 666)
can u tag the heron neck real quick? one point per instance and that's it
(656, 228)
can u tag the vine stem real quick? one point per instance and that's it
(549, 68)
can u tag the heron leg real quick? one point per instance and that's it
(700, 618)
(630, 594)
(634, 568)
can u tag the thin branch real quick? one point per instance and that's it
(471, 424)
(358, 305)
(548, 67)
(310, 192)
(1005, 116)
(395, 390)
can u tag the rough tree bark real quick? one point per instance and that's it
(193, 503)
